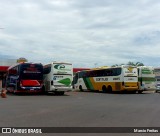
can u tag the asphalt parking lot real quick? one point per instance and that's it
(81, 109)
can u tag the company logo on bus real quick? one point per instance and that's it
(130, 69)
(32, 65)
(59, 67)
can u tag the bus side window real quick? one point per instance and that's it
(75, 79)
(47, 69)
(13, 71)
(118, 71)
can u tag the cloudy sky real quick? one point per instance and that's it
(87, 33)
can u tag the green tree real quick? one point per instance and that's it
(130, 63)
(20, 60)
(115, 65)
(135, 64)
(139, 64)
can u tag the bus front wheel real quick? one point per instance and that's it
(80, 88)
(59, 93)
(140, 92)
(104, 89)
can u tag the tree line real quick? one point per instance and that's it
(130, 63)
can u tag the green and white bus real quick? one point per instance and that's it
(157, 74)
(146, 78)
(58, 77)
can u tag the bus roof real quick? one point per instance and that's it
(103, 68)
(22, 64)
(55, 62)
(61, 63)
(145, 66)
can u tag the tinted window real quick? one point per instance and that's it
(104, 72)
(47, 69)
(13, 71)
(75, 79)
(31, 71)
(82, 74)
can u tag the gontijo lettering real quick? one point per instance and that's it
(101, 79)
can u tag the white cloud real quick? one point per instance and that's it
(84, 32)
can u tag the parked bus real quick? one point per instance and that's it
(121, 78)
(146, 78)
(157, 76)
(24, 77)
(58, 77)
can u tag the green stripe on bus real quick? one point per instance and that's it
(145, 71)
(65, 81)
(150, 79)
(88, 83)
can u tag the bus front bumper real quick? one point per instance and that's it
(60, 89)
(158, 89)
(29, 89)
(129, 88)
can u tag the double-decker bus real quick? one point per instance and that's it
(157, 76)
(121, 78)
(58, 77)
(146, 78)
(24, 77)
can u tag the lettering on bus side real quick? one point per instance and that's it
(101, 79)
(57, 77)
(117, 78)
(130, 78)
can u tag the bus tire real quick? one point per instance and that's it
(14, 92)
(109, 89)
(80, 88)
(133, 92)
(43, 90)
(104, 89)
(59, 93)
(140, 92)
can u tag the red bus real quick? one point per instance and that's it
(24, 77)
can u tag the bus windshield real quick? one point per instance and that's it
(31, 71)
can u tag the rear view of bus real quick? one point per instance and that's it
(146, 78)
(58, 77)
(25, 77)
(130, 78)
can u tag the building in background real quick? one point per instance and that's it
(5, 64)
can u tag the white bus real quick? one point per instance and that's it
(58, 77)
(146, 78)
(157, 75)
(121, 78)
